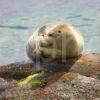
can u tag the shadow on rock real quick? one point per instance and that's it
(59, 66)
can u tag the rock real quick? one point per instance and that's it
(17, 70)
(69, 86)
(61, 86)
(88, 64)
(75, 79)
(4, 84)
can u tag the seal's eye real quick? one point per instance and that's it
(50, 34)
(59, 31)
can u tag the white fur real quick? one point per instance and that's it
(71, 48)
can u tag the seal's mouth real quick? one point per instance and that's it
(46, 41)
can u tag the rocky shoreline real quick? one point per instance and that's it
(77, 79)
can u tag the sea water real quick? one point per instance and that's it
(20, 18)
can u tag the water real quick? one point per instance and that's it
(19, 18)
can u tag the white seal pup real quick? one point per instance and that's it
(55, 41)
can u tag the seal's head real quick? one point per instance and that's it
(61, 33)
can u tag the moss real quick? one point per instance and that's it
(36, 79)
(44, 69)
(38, 83)
(26, 80)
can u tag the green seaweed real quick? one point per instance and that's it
(38, 83)
(26, 80)
(36, 79)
